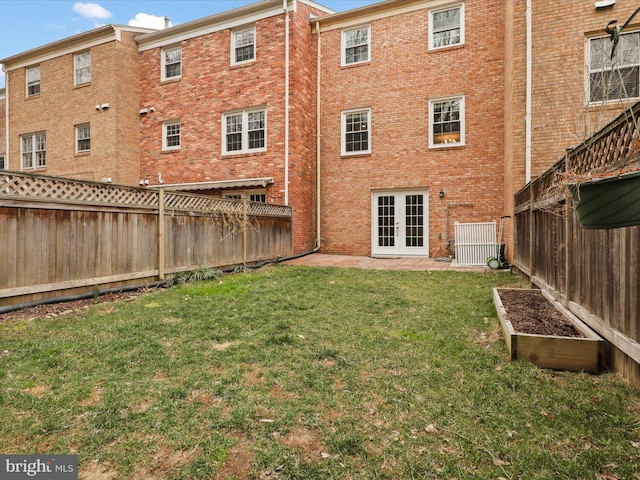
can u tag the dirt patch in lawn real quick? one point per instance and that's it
(305, 441)
(52, 310)
(530, 312)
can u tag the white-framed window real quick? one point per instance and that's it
(356, 45)
(243, 45)
(446, 122)
(617, 78)
(33, 81)
(356, 132)
(244, 131)
(82, 68)
(83, 138)
(446, 27)
(171, 135)
(171, 62)
(3, 162)
(253, 195)
(33, 150)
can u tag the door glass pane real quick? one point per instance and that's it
(414, 220)
(386, 221)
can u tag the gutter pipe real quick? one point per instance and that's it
(6, 117)
(528, 115)
(286, 101)
(318, 140)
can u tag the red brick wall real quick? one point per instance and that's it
(209, 86)
(3, 132)
(61, 106)
(397, 85)
(560, 116)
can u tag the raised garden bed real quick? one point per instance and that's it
(538, 328)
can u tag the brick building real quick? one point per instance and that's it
(3, 131)
(227, 107)
(562, 76)
(72, 107)
(381, 126)
(411, 113)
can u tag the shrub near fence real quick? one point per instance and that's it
(62, 236)
(592, 272)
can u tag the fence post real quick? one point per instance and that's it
(161, 233)
(531, 225)
(245, 209)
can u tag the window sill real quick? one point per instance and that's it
(32, 97)
(246, 64)
(255, 153)
(355, 155)
(448, 48)
(447, 147)
(82, 85)
(82, 154)
(170, 150)
(611, 104)
(165, 81)
(354, 65)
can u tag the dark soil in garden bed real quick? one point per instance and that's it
(530, 312)
(52, 310)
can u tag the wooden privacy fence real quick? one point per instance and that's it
(592, 272)
(64, 236)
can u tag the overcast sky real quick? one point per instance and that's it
(28, 24)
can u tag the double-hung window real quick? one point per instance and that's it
(447, 122)
(243, 45)
(171, 63)
(355, 45)
(82, 67)
(171, 139)
(356, 132)
(614, 78)
(83, 139)
(33, 81)
(244, 131)
(33, 150)
(446, 27)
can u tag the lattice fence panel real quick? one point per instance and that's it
(75, 191)
(63, 190)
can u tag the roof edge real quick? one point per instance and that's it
(82, 40)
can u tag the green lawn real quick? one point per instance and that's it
(308, 373)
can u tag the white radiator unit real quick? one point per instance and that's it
(475, 243)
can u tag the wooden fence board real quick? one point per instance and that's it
(594, 272)
(63, 235)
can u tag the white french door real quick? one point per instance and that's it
(400, 223)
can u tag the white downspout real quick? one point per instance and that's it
(286, 103)
(6, 117)
(318, 139)
(528, 115)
